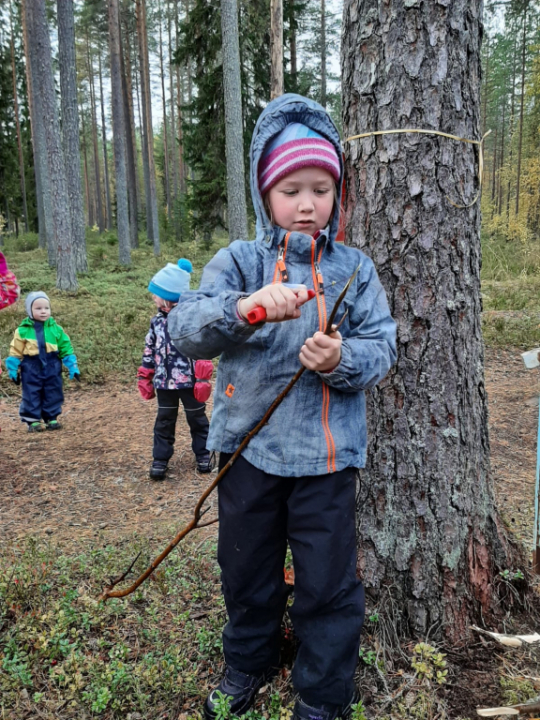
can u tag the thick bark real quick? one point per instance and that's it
(146, 97)
(428, 530)
(323, 53)
(38, 30)
(41, 170)
(234, 136)
(18, 128)
(119, 136)
(93, 120)
(276, 48)
(104, 144)
(70, 128)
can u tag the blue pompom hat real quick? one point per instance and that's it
(172, 280)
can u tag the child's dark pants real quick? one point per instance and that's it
(165, 426)
(42, 393)
(258, 513)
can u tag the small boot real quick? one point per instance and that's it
(158, 470)
(35, 427)
(53, 425)
(239, 688)
(325, 712)
(206, 463)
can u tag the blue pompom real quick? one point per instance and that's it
(184, 264)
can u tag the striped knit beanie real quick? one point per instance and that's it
(296, 147)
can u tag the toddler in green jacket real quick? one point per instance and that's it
(37, 351)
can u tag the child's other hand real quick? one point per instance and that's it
(279, 301)
(321, 352)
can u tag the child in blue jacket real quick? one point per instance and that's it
(295, 481)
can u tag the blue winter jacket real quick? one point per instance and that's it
(321, 425)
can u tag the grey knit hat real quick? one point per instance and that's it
(31, 298)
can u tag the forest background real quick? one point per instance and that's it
(61, 654)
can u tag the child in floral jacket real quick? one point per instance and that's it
(171, 375)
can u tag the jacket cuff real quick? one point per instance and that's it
(234, 320)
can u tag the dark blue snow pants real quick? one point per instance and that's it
(258, 514)
(42, 393)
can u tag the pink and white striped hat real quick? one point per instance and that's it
(295, 147)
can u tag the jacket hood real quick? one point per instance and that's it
(274, 118)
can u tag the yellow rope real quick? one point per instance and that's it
(419, 131)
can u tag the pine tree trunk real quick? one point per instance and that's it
(18, 127)
(234, 137)
(131, 154)
(276, 48)
(512, 122)
(174, 153)
(180, 97)
(292, 47)
(165, 124)
(134, 184)
(429, 534)
(70, 128)
(494, 169)
(86, 178)
(501, 163)
(93, 119)
(146, 97)
(119, 135)
(41, 170)
(38, 30)
(323, 53)
(521, 106)
(104, 143)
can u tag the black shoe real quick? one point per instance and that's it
(325, 712)
(53, 425)
(206, 463)
(239, 688)
(158, 470)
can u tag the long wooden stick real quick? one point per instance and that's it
(108, 592)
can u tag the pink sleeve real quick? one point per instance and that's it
(9, 288)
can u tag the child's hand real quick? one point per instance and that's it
(279, 301)
(321, 352)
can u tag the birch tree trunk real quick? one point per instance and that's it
(38, 30)
(429, 534)
(70, 128)
(234, 136)
(119, 136)
(276, 48)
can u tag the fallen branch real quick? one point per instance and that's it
(198, 513)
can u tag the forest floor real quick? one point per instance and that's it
(74, 506)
